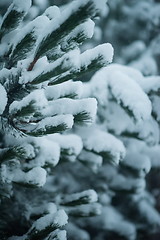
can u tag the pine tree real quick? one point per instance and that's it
(126, 133)
(140, 19)
(38, 102)
(94, 175)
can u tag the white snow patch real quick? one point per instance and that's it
(69, 60)
(90, 195)
(36, 27)
(122, 82)
(74, 107)
(138, 161)
(36, 176)
(103, 52)
(48, 154)
(70, 142)
(57, 219)
(102, 142)
(37, 98)
(23, 6)
(3, 98)
(127, 91)
(52, 12)
(151, 83)
(66, 119)
(65, 89)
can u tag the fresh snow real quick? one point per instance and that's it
(36, 27)
(74, 107)
(90, 195)
(36, 98)
(69, 60)
(3, 98)
(138, 161)
(151, 84)
(70, 142)
(65, 89)
(59, 218)
(48, 154)
(18, 5)
(103, 52)
(66, 119)
(23, 6)
(125, 89)
(52, 12)
(86, 29)
(98, 6)
(102, 142)
(36, 177)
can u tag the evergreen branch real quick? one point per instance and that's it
(86, 210)
(13, 17)
(74, 199)
(90, 60)
(79, 13)
(51, 125)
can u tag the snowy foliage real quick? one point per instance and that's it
(77, 159)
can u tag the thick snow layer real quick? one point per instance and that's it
(70, 142)
(52, 12)
(138, 161)
(151, 84)
(99, 88)
(48, 154)
(69, 60)
(69, 88)
(74, 107)
(85, 210)
(23, 6)
(57, 220)
(148, 84)
(146, 64)
(86, 29)
(116, 119)
(49, 151)
(18, 5)
(129, 71)
(35, 27)
(89, 196)
(149, 131)
(35, 177)
(96, 6)
(36, 98)
(103, 52)
(102, 142)
(55, 121)
(3, 99)
(126, 90)
(28, 151)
